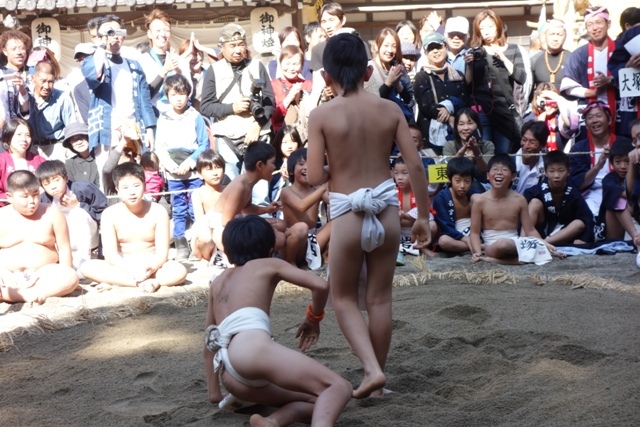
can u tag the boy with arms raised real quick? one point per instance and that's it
(300, 206)
(135, 238)
(557, 209)
(210, 166)
(453, 206)
(35, 255)
(238, 335)
(364, 200)
(496, 214)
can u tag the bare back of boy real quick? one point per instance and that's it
(29, 269)
(358, 145)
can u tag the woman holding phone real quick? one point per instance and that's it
(467, 141)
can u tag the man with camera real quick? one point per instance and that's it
(120, 93)
(237, 94)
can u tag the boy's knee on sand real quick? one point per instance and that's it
(171, 273)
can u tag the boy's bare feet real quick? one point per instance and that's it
(257, 420)
(149, 286)
(370, 384)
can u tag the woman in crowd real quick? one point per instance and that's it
(16, 141)
(493, 68)
(553, 109)
(468, 143)
(389, 78)
(289, 36)
(440, 92)
(407, 32)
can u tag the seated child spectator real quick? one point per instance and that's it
(154, 183)
(238, 343)
(80, 202)
(259, 164)
(557, 209)
(286, 141)
(82, 166)
(181, 136)
(495, 216)
(615, 209)
(135, 238)
(16, 140)
(453, 207)
(300, 205)
(427, 155)
(407, 210)
(35, 256)
(210, 167)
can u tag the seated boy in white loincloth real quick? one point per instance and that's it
(135, 238)
(35, 254)
(495, 216)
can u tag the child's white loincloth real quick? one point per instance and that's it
(530, 249)
(463, 226)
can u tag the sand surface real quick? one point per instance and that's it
(473, 345)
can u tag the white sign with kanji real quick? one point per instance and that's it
(46, 32)
(629, 82)
(264, 26)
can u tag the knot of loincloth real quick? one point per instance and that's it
(213, 339)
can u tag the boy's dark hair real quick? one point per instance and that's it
(397, 161)
(22, 181)
(539, 130)
(94, 23)
(178, 83)
(620, 148)
(111, 18)
(634, 122)
(502, 159)
(416, 127)
(127, 169)
(209, 158)
(258, 151)
(311, 28)
(292, 161)
(555, 158)
(49, 169)
(247, 238)
(460, 166)
(150, 160)
(345, 60)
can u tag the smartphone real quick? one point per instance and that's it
(475, 134)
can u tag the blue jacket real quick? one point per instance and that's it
(446, 214)
(99, 120)
(91, 199)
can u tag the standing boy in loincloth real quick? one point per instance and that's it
(239, 350)
(496, 213)
(356, 130)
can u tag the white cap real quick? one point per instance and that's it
(457, 24)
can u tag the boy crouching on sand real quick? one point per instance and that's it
(496, 214)
(35, 255)
(356, 129)
(238, 338)
(135, 238)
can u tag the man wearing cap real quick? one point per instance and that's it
(120, 93)
(82, 166)
(548, 64)
(456, 32)
(585, 74)
(226, 96)
(50, 111)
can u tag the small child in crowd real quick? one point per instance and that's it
(35, 256)
(135, 238)
(80, 202)
(154, 183)
(453, 206)
(181, 136)
(495, 216)
(286, 141)
(557, 209)
(210, 167)
(82, 166)
(363, 199)
(614, 208)
(239, 350)
(300, 205)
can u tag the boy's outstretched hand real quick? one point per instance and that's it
(309, 333)
(421, 233)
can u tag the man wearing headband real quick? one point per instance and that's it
(585, 74)
(237, 94)
(629, 107)
(548, 65)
